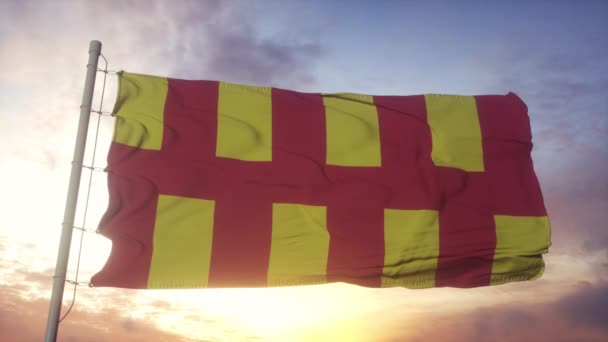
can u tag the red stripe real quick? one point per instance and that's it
(185, 163)
(129, 219)
(358, 196)
(466, 230)
(190, 120)
(508, 186)
(242, 220)
(136, 177)
(298, 148)
(355, 221)
(407, 170)
(505, 127)
(244, 191)
(241, 240)
(467, 236)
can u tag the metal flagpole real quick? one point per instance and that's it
(72, 199)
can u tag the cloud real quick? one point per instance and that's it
(578, 316)
(24, 320)
(206, 40)
(221, 42)
(182, 39)
(587, 307)
(241, 56)
(43, 278)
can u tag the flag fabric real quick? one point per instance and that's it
(214, 184)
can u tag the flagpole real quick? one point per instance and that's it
(72, 199)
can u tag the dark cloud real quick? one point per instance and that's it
(587, 307)
(229, 48)
(240, 56)
(44, 278)
(556, 82)
(599, 242)
(578, 316)
(190, 39)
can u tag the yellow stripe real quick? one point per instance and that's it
(520, 243)
(300, 245)
(455, 131)
(244, 124)
(139, 109)
(353, 134)
(183, 233)
(411, 248)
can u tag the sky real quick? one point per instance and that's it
(553, 54)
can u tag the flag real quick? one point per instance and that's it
(214, 184)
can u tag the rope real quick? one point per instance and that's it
(105, 70)
(94, 168)
(103, 113)
(91, 169)
(78, 283)
(86, 230)
(109, 72)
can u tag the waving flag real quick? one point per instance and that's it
(214, 184)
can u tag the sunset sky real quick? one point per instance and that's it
(553, 54)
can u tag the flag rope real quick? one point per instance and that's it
(91, 169)
(78, 283)
(86, 230)
(106, 71)
(102, 113)
(94, 168)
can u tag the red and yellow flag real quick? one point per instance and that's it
(214, 184)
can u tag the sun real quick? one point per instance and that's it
(332, 312)
(284, 312)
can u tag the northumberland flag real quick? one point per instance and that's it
(214, 184)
